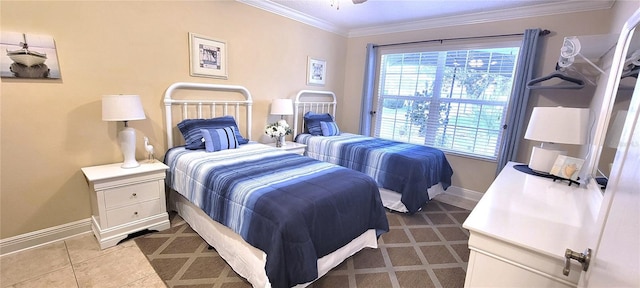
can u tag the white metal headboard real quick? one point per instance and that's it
(312, 100)
(207, 107)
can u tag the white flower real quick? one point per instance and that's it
(283, 123)
(277, 129)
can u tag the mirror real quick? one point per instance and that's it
(616, 122)
(620, 86)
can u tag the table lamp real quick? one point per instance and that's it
(552, 126)
(282, 107)
(124, 108)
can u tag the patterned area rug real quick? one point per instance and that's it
(428, 249)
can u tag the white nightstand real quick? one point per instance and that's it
(124, 201)
(292, 146)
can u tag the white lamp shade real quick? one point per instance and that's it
(122, 108)
(282, 107)
(558, 125)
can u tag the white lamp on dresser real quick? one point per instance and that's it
(551, 126)
(124, 108)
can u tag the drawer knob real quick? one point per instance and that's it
(134, 194)
(135, 213)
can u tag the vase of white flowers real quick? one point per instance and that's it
(280, 141)
(278, 130)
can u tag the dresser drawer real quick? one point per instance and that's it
(133, 212)
(127, 195)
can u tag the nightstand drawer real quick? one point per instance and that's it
(133, 212)
(127, 195)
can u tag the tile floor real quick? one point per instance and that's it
(78, 262)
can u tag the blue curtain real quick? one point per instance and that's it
(516, 112)
(368, 89)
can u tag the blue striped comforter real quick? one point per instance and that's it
(405, 168)
(294, 208)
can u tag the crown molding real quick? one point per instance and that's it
(295, 15)
(486, 17)
(474, 18)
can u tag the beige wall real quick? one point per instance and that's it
(469, 173)
(52, 128)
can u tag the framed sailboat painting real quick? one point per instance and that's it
(28, 56)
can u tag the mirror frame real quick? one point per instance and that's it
(611, 90)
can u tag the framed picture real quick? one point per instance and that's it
(567, 167)
(316, 71)
(26, 55)
(207, 56)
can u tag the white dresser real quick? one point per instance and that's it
(125, 201)
(521, 227)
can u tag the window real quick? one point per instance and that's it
(453, 100)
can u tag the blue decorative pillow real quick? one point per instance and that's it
(219, 139)
(190, 129)
(329, 128)
(312, 122)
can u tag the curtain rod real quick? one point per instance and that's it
(542, 33)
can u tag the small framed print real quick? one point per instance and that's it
(316, 71)
(207, 57)
(567, 167)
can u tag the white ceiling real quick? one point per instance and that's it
(375, 17)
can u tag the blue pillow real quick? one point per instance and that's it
(190, 129)
(219, 139)
(329, 128)
(312, 122)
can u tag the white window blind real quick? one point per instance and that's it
(453, 100)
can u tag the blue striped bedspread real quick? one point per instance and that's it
(408, 169)
(294, 208)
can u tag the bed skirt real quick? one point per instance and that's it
(391, 199)
(246, 260)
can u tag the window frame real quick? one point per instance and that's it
(437, 46)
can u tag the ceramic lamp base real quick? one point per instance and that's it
(542, 159)
(127, 139)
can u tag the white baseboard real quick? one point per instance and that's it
(455, 196)
(45, 236)
(460, 197)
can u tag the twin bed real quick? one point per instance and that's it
(408, 175)
(278, 218)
